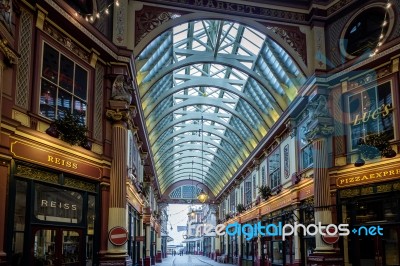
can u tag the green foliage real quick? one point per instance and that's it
(71, 130)
(240, 208)
(265, 191)
(374, 145)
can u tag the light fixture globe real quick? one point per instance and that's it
(360, 162)
(202, 197)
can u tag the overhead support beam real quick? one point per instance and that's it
(192, 147)
(188, 155)
(189, 116)
(151, 122)
(232, 157)
(211, 177)
(210, 82)
(164, 169)
(279, 104)
(193, 128)
(218, 38)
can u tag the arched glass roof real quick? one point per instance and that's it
(224, 77)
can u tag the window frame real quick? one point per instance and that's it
(247, 192)
(307, 145)
(277, 171)
(62, 51)
(363, 89)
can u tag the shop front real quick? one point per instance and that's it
(54, 218)
(375, 205)
(53, 207)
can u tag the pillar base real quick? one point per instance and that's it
(239, 261)
(159, 257)
(153, 260)
(216, 254)
(147, 261)
(3, 258)
(325, 259)
(257, 261)
(297, 262)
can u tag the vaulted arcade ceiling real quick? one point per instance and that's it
(210, 90)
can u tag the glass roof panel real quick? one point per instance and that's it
(235, 84)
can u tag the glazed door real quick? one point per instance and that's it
(56, 246)
(379, 250)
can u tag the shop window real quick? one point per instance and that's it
(306, 152)
(241, 195)
(263, 176)
(375, 210)
(277, 252)
(63, 86)
(247, 188)
(274, 169)
(232, 201)
(371, 112)
(254, 187)
(57, 205)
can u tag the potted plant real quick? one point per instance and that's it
(69, 128)
(240, 208)
(265, 191)
(374, 145)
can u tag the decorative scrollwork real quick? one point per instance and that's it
(8, 52)
(36, 174)
(79, 184)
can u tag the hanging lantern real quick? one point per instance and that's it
(202, 197)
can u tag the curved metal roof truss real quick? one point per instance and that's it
(210, 90)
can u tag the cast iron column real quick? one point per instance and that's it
(120, 115)
(320, 129)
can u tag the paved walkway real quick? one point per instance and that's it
(190, 260)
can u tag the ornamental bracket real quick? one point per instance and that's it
(8, 52)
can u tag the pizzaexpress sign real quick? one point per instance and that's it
(355, 179)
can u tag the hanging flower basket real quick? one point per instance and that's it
(70, 129)
(375, 145)
(265, 191)
(240, 208)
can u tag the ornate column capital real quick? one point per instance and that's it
(120, 111)
(291, 125)
(143, 155)
(117, 115)
(11, 56)
(256, 164)
(320, 121)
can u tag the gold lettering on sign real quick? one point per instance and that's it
(383, 111)
(59, 161)
(367, 178)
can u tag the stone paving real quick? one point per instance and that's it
(190, 260)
